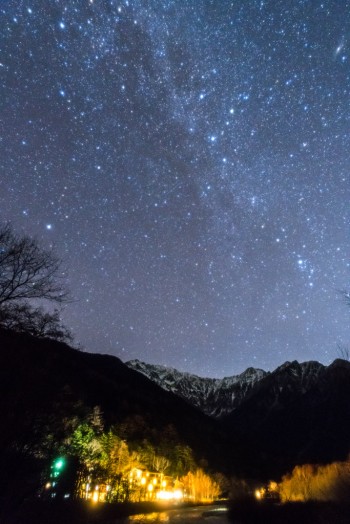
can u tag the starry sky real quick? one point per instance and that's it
(189, 162)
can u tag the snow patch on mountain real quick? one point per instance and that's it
(215, 397)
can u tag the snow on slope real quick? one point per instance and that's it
(215, 397)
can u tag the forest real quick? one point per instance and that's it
(79, 426)
(102, 466)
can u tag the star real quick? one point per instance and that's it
(187, 173)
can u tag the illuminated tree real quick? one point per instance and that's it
(116, 461)
(182, 460)
(116, 458)
(297, 486)
(308, 482)
(200, 487)
(160, 464)
(146, 454)
(95, 420)
(104, 459)
(85, 446)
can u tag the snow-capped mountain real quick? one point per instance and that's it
(289, 382)
(299, 413)
(220, 397)
(215, 397)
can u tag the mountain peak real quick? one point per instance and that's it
(215, 397)
(220, 397)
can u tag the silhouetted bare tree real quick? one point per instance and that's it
(23, 318)
(29, 272)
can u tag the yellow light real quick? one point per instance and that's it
(178, 494)
(150, 487)
(95, 496)
(258, 494)
(169, 495)
(143, 481)
(164, 483)
(154, 481)
(165, 495)
(48, 485)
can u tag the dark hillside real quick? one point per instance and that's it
(46, 378)
(298, 414)
(44, 384)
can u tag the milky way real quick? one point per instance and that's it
(189, 161)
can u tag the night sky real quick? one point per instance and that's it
(189, 162)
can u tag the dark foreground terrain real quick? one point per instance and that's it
(252, 512)
(82, 512)
(243, 512)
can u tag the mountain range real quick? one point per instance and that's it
(220, 397)
(298, 413)
(48, 387)
(257, 424)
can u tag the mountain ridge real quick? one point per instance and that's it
(296, 414)
(220, 397)
(213, 396)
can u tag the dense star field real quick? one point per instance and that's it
(189, 161)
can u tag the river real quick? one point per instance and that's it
(215, 514)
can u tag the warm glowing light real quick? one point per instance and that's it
(143, 481)
(164, 483)
(154, 481)
(165, 495)
(48, 485)
(178, 494)
(150, 487)
(258, 494)
(95, 496)
(170, 495)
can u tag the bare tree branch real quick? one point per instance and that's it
(25, 319)
(27, 271)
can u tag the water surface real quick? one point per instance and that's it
(215, 514)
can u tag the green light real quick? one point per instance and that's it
(59, 464)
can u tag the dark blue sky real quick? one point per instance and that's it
(189, 161)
